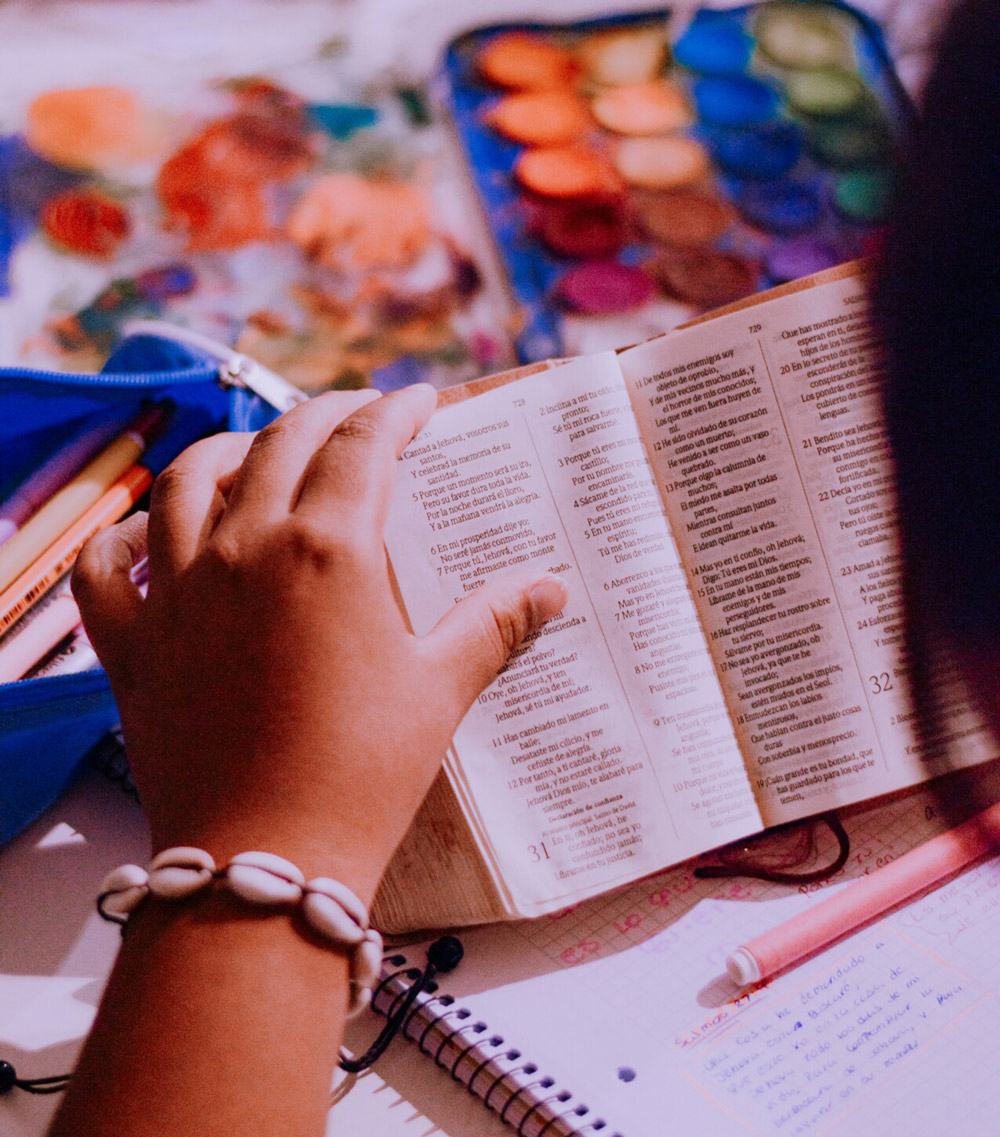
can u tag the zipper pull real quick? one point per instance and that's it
(235, 369)
(242, 371)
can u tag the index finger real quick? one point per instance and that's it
(356, 466)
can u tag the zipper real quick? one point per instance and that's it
(205, 373)
(234, 370)
(231, 369)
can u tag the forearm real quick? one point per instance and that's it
(273, 698)
(217, 1019)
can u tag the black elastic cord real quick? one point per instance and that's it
(443, 955)
(745, 868)
(9, 1080)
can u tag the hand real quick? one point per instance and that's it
(271, 694)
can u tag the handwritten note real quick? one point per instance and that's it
(966, 903)
(798, 1063)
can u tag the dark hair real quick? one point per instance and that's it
(937, 297)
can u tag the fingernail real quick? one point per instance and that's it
(426, 389)
(548, 598)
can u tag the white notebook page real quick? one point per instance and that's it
(624, 1002)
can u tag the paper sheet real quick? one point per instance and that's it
(625, 1003)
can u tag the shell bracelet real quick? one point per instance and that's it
(329, 908)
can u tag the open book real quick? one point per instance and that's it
(720, 501)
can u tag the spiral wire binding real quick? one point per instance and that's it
(515, 1091)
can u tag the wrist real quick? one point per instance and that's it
(321, 908)
(318, 850)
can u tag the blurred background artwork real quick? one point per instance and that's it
(248, 181)
(287, 176)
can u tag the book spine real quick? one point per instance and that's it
(506, 1081)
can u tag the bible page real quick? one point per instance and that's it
(604, 749)
(765, 433)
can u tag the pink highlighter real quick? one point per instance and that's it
(859, 903)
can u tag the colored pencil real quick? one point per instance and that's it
(66, 507)
(43, 573)
(54, 473)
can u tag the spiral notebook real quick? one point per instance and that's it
(615, 1018)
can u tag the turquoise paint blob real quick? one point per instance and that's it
(786, 207)
(714, 44)
(757, 153)
(864, 195)
(735, 100)
(341, 120)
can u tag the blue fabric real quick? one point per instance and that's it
(47, 725)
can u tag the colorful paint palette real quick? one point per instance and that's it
(631, 164)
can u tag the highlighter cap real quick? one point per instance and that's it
(743, 968)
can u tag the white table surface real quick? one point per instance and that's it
(55, 952)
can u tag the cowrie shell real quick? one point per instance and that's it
(264, 878)
(344, 897)
(125, 877)
(179, 872)
(183, 856)
(361, 998)
(367, 961)
(324, 914)
(125, 901)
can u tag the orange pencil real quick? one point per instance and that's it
(58, 558)
(63, 509)
(818, 927)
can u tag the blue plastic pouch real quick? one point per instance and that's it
(48, 724)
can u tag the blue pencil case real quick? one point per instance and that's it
(48, 724)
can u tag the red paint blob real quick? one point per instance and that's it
(215, 188)
(589, 229)
(85, 221)
(603, 288)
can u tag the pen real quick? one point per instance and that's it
(65, 507)
(43, 630)
(78, 653)
(856, 904)
(54, 473)
(75, 657)
(54, 562)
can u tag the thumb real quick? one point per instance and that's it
(102, 586)
(476, 638)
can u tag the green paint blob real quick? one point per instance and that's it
(802, 36)
(827, 92)
(864, 195)
(848, 143)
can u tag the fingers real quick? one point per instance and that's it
(356, 465)
(268, 481)
(103, 588)
(189, 497)
(477, 637)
